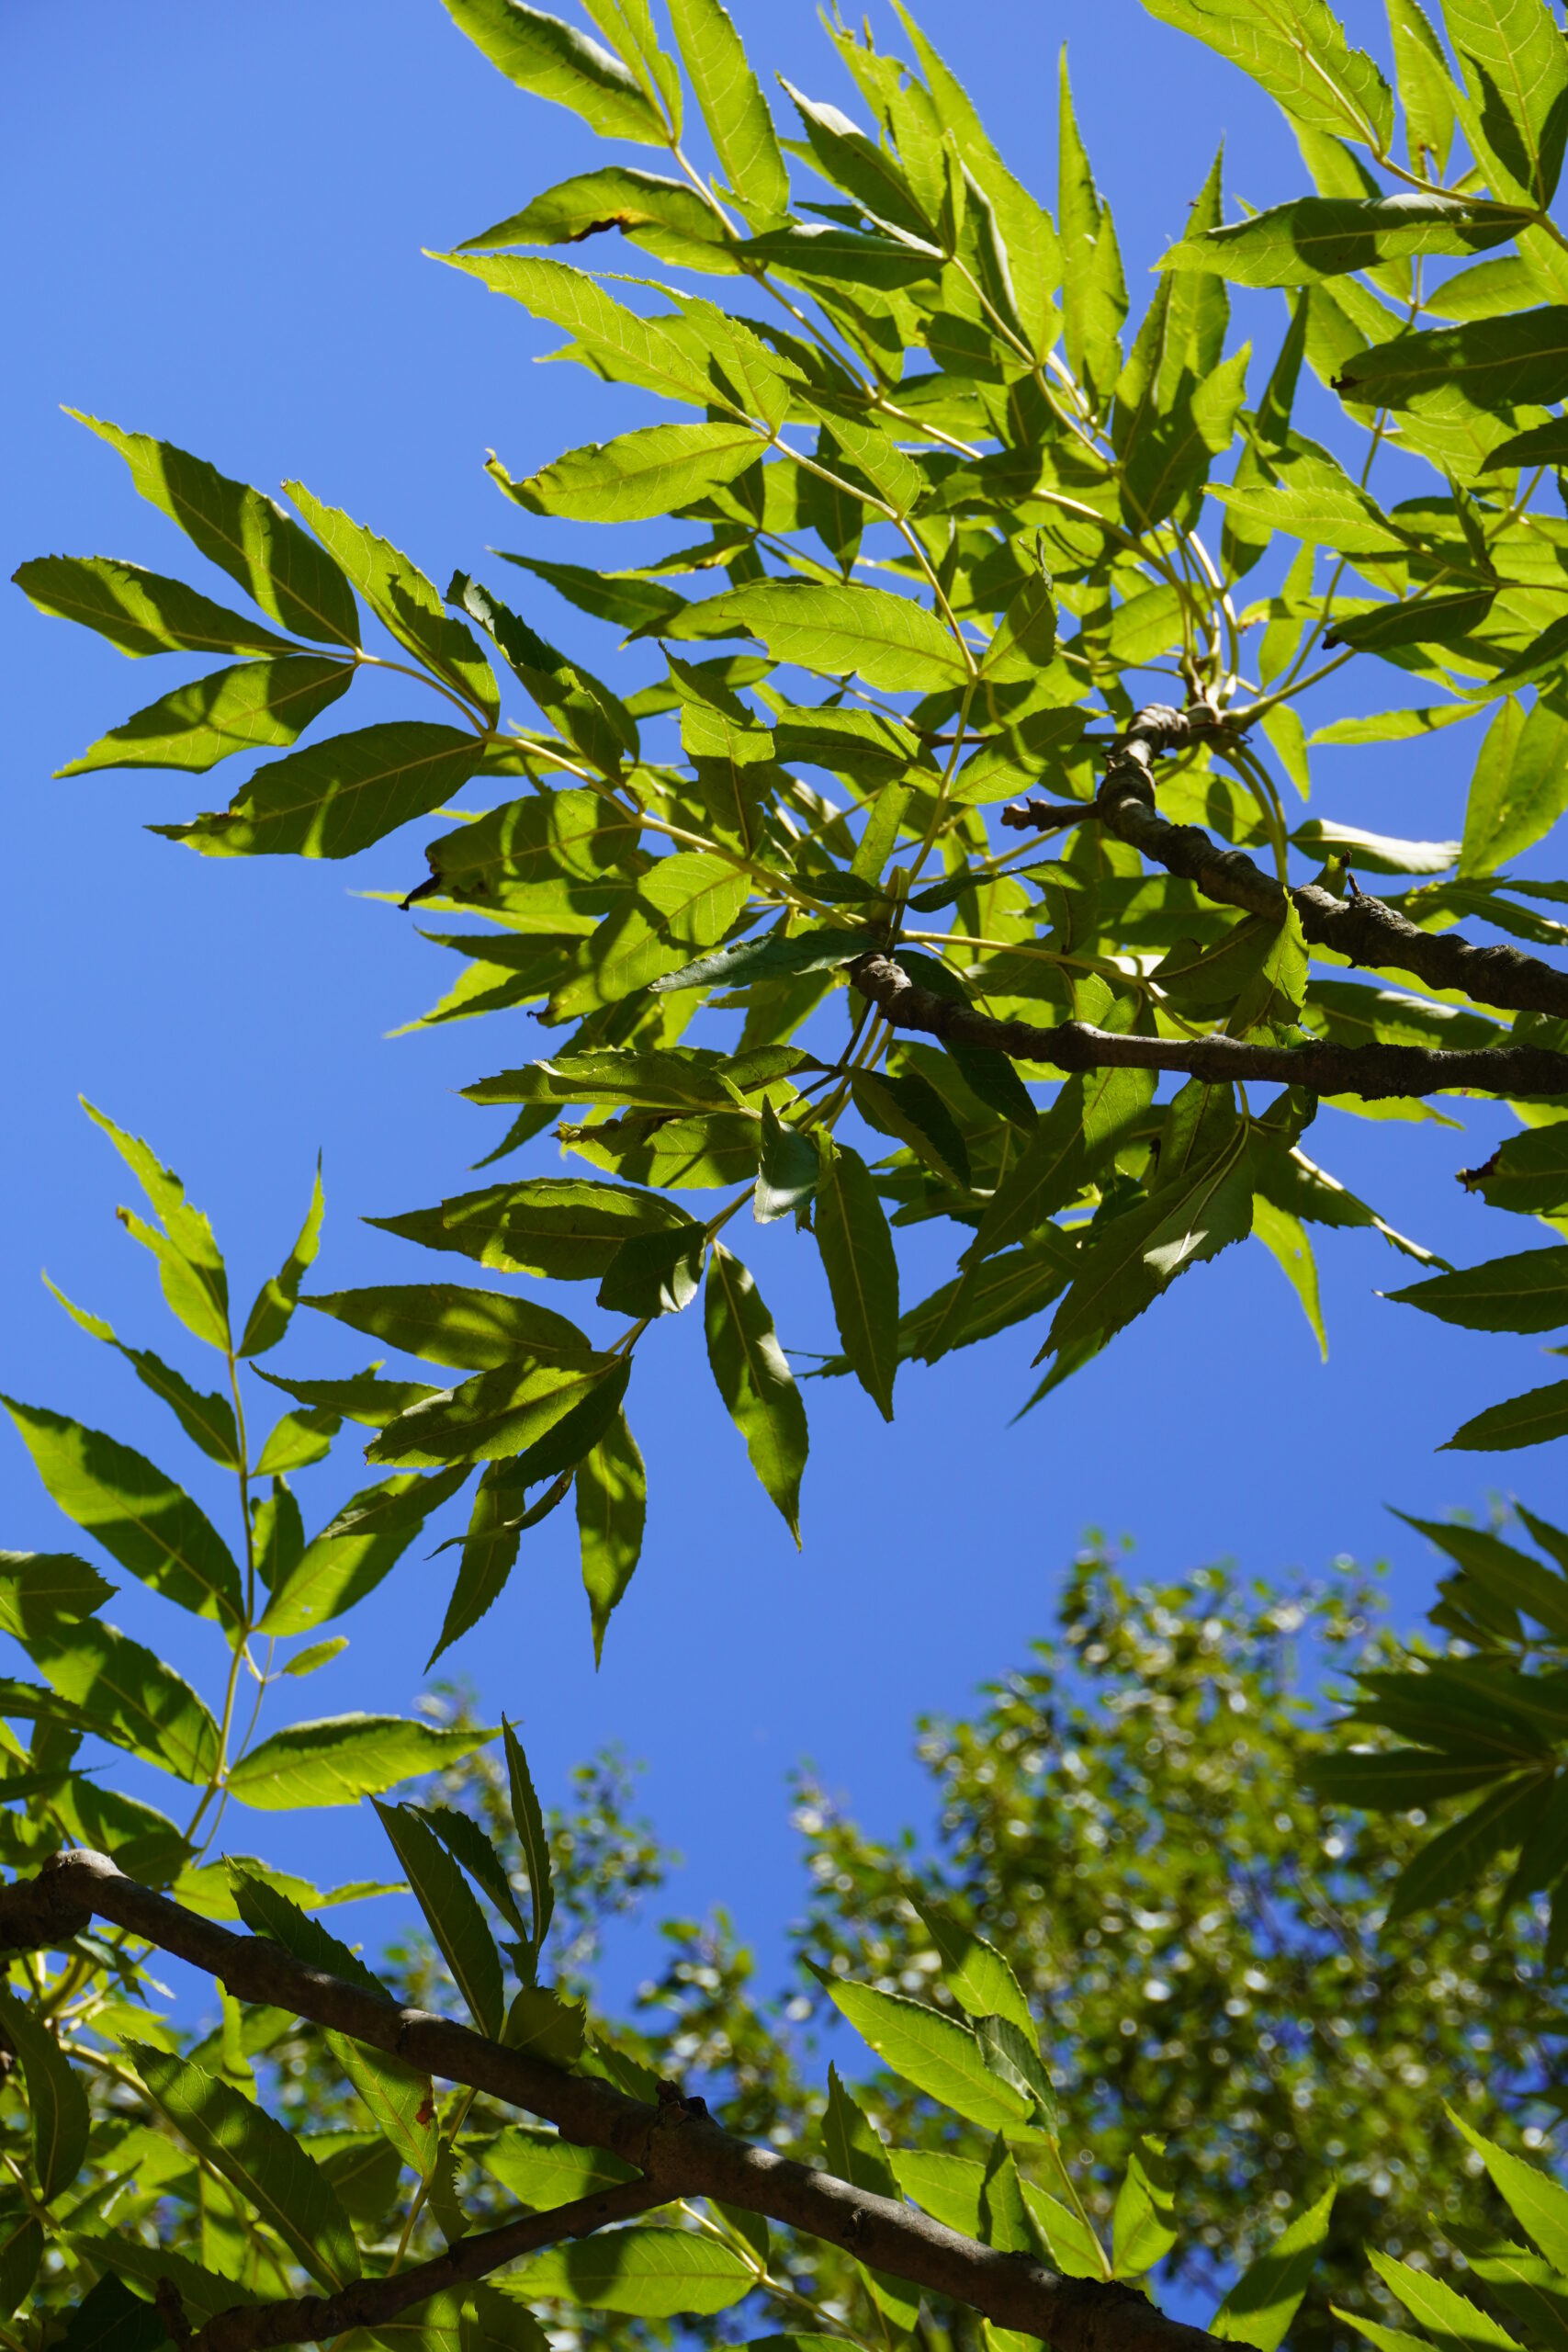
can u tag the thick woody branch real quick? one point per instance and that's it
(374, 2302)
(677, 2146)
(1361, 929)
(1371, 1072)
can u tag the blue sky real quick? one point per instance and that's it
(224, 212)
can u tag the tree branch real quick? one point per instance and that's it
(677, 2146)
(372, 2303)
(1363, 929)
(1371, 1072)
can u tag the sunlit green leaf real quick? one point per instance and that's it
(755, 1382)
(338, 796)
(246, 534)
(149, 1525)
(254, 707)
(344, 1757)
(262, 2160)
(451, 1913)
(644, 2271)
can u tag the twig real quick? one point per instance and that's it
(681, 2151)
(1361, 929)
(372, 2303)
(1374, 1072)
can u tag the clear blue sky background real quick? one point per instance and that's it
(218, 216)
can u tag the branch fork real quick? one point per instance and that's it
(676, 2147)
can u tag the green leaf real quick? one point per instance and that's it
(1527, 1293)
(407, 603)
(1323, 236)
(974, 1970)
(1452, 2318)
(1495, 364)
(246, 535)
(1285, 1239)
(1391, 727)
(771, 957)
(1520, 785)
(1050, 1171)
(319, 1654)
(1314, 500)
(733, 107)
(566, 1229)
(540, 2169)
(907, 1105)
(1295, 51)
(1427, 94)
(1266, 2298)
(646, 2271)
(1457, 1856)
(754, 1380)
(1511, 54)
(268, 1911)
(451, 1913)
(555, 60)
(628, 348)
(592, 720)
(641, 607)
(124, 1693)
(468, 1844)
(853, 162)
(1538, 2203)
(204, 2294)
(1139, 1253)
(934, 2052)
(528, 1820)
(150, 1525)
(275, 2175)
(1527, 1174)
(820, 252)
(862, 1268)
(1143, 2223)
(39, 1588)
(335, 799)
(358, 1546)
(1377, 853)
(207, 1420)
(1072, 2244)
(891, 643)
(668, 217)
(275, 1301)
(253, 706)
(190, 1266)
(142, 611)
(950, 2188)
(344, 1757)
(856, 2155)
(1531, 1420)
(111, 2319)
(57, 2101)
(548, 1418)
(449, 1324)
(495, 1530)
(658, 470)
(787, 1170)
(612, 1509)
(296, 1441)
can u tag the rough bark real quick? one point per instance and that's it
(1371, 1071)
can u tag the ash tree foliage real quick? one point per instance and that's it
(963, 800)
